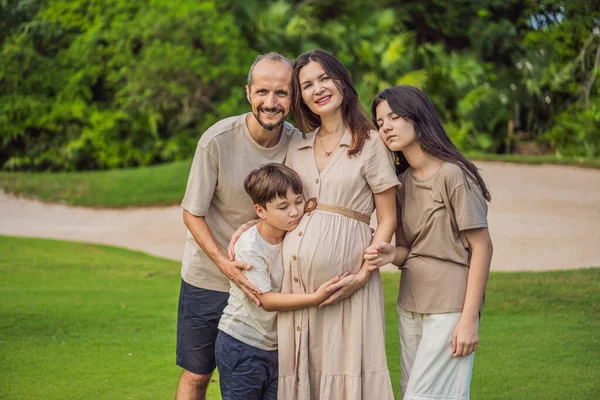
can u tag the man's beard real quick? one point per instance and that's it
(273, 126)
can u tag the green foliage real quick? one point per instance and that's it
(106, 84)
(97, 84)
(577, 131)
(485, 65)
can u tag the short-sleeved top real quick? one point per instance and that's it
(241, 318)
(225, 155)
(434, 213)
(346, 181)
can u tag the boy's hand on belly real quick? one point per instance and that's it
(345, 287)
(322, 293)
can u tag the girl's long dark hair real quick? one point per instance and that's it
(411, 103)
(354, 115)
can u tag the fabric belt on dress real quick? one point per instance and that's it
(345, 211)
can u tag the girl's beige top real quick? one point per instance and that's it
(335, 352)
(438, 211)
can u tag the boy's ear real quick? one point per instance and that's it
(260, 211)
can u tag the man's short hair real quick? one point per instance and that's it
(272, 56)
(271, 180)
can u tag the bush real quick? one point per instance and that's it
(576, 131)
(97, 84)
(106, 84)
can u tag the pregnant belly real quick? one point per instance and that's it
(329, 246)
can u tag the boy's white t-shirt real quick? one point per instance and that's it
(242, 319)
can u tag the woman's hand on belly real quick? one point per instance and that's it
(346, 286)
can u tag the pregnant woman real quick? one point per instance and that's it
(338, 351)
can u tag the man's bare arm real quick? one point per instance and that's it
(231, 269)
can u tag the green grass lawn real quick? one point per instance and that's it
(161, 184)
(536, 159)
(81, 321)
(145, 186)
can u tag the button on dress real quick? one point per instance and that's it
(338, 351)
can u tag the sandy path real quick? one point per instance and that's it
(541, 218)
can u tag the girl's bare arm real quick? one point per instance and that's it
(465, 338)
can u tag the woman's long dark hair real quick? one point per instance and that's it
(411, 103)
(354, 115)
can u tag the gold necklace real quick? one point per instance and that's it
(328, 153)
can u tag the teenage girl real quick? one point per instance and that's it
(444, 247)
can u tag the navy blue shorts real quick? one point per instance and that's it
(246, 372)
(197, 323)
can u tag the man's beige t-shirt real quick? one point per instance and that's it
(225, 155)
(434, 213)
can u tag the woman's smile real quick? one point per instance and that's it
(323, 100)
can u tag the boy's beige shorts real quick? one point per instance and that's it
(428, 369)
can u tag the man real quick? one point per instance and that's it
(215, 205)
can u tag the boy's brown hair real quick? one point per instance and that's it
(270, 181)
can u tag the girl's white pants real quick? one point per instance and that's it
(428, 369)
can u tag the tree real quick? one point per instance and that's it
(112, 83)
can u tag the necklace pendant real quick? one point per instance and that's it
(327, 153)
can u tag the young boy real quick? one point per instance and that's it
(246, 347)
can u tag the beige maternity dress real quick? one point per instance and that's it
(338, 351)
